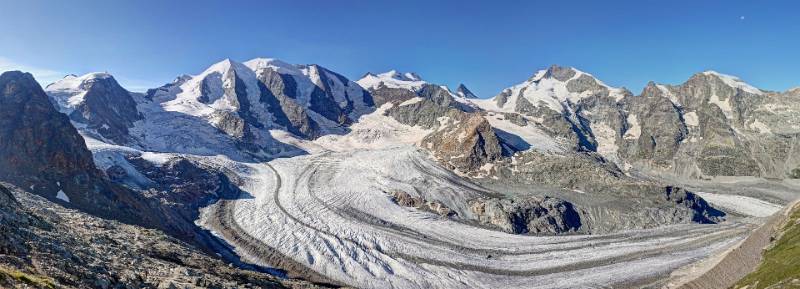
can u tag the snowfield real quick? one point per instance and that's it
(741, 204)
(329, 212)
(327, 216)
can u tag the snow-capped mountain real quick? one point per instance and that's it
(557, 89)
(229, 108)
(464, 92)
(294, 156)
(97, 101)
(708, 125)
(392, 79)
(314, 100)
(557, 109)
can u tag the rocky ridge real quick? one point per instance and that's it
(45, 245)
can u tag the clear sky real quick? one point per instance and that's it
(488, 45)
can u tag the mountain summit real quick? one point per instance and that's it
(464, 92)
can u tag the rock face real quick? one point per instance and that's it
(610, 200)
(462, 139)
(702, 212)
(711, 125)
(528, 215)
(179, 188)
(309, 100)
(465, 142)
(569, 107)
(97, 101)
(44, 245)
(426, 108)
(568, 104)
(406, 200)
(41, 150)
(464, 92)
(384, 94)
(241, 103)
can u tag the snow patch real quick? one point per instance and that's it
(371, 131)
(760, 127)
(741, 204)
(671, 96)
(634, 130)
(411, 101)
(543, 91)
(62, 196)
(690, 118)
(523, 137)
(734, 82)
(724, 105)
(606, 140)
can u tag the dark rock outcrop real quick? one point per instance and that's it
(97, 101)
(465, 143)
(528, 215)
(406, 200)
(41, 150)
(462, 139)
(702, 212)
(464, 92)
(333, 99)
(278, 92)
(383, 94)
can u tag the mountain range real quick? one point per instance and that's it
(393, 181)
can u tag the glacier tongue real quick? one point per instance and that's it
(322, 213)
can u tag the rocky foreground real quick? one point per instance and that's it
(44, 245)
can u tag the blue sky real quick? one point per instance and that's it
(488, 45)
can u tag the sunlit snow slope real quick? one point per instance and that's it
(329, 213)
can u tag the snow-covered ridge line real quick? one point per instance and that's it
(73, 82)
(69, 92)
(734, 82)
(392, 79)
(549, 88)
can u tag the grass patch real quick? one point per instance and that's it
(36, 281)
(781, 262)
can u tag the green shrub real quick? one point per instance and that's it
(8, 274)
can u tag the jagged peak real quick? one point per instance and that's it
(559, 73)
(556, 70)
(464, 92)
(564, 74)
(653, 89)
(731, 81)
(552, 87)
